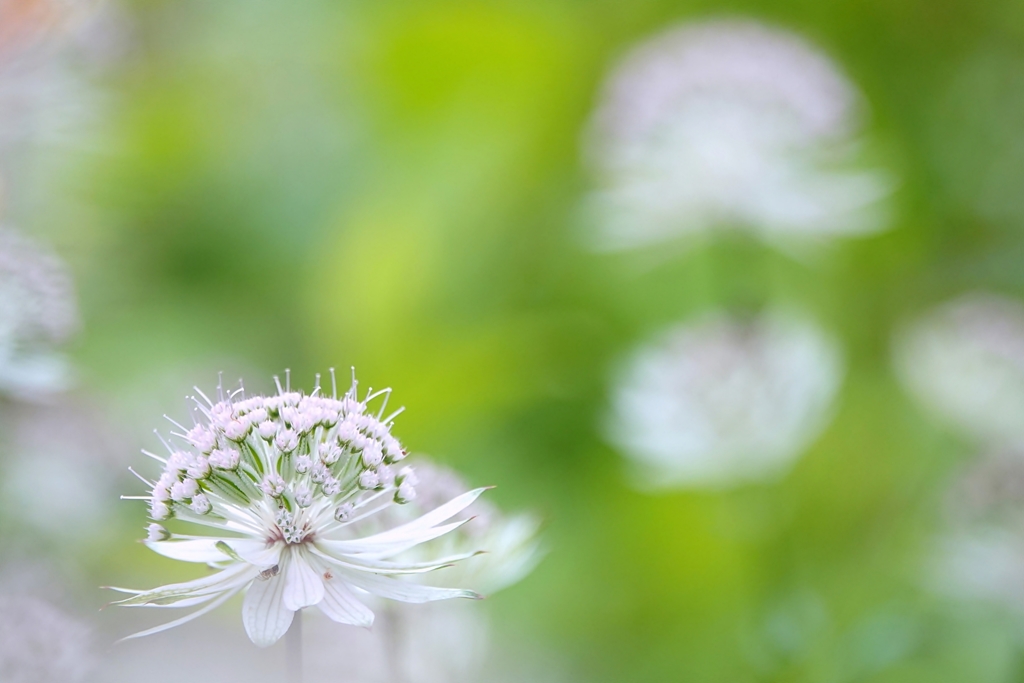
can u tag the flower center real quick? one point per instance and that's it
(289, 529)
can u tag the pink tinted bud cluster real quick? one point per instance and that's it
(290, 451)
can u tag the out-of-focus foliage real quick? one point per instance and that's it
(400, 186)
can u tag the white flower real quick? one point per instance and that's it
(294, 539)
(965, 362)
(728, 124)
(980, 554)
(40, 643)
(37, 313)
(722, 400)
(987, 564)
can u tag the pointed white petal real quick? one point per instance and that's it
(340, 604)
(389, 567)
(196, 550)
(303, 586)
(265, 617)
(184, 602)
(225, 580)
(385, 544)
(256, 552)
(381, 567)
(434, 517)
(404, 591)
(215, 523)
(184, 620)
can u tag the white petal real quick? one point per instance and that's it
(265, 617)
(215, 522)
(386, 544)
(256, 552)
(229, 579)
(404, 591)
(184, 602)
(303, 586)
(341, 604)
(412, 533)
(435, 516)
(195, 550)
(184, 620)
(361, 563)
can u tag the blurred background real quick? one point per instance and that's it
(728, 293)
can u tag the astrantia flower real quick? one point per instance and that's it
(724, 400)
(288, 484)
(728, 124)
(965, 362)
(980, 554)
(37, 313)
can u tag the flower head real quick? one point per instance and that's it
(292, 487)
(727, 124)
(37, 312)
(979, 554)
(965, 362)
(724, 400)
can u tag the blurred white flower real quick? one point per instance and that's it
(724, 400)
(292, 483)
(40, 643)
(980, 554)
(728, 124)
(509, 544)
(37, 312)
(987, 564)
(964, 361)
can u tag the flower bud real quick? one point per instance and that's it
(368, 479)
(267, 430)
(237, 430)
(303, 497)
(273, 485)
(200, 504)
(343, 513)
(405, 493)
(303, 463)
(286, 441)
(224, 459)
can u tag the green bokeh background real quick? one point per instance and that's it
(397, 186)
